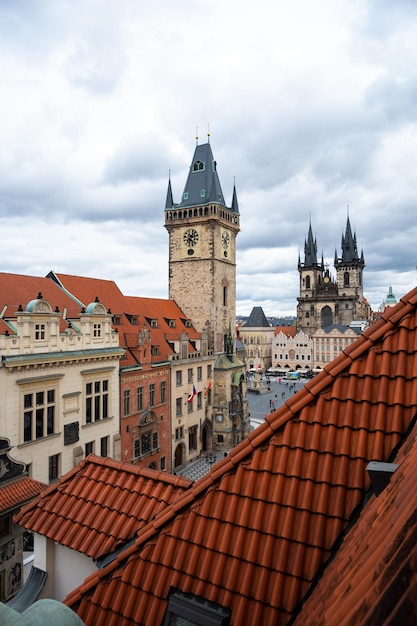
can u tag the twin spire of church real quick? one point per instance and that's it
(349, 250)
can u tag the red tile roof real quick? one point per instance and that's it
(288, 331)
(19, 492)
(373, 576)
(100, 504)
(17, 289)
(253, 533)
(145, 309)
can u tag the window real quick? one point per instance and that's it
(152, 394)
(185, 608)
(178, 407)
(126, 402)
(117, 320)
(54, 461)
(192, 438)
(199, 372)
(139, 398)
(96, 401)
(134, 320)
(136, 449)
(39, 332)
(190, 374)
(224, 296)
(220, 438)
(178, 377)
(146, 440)
(154, 441)
(198, 166)
(155, 350)
(203, 193)
(38, 414)
(154, 323)
(190, 406)
(163, 391)
(199, 400)
(97, 330)
(89, 448)
(208, 371)
(163, 463)
(179, 433)
(171, 323)
(104, 446)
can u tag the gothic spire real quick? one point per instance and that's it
(310, 249)
(203, 183)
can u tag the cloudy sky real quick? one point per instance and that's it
(312, 109)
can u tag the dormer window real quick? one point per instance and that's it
(117, 320)
(96, 330)
(154, 323)
(134, 320)
(185, 196)
(171, 323)
(198, 166)
(203, 193)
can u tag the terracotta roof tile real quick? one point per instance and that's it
(253, 533)
(100, 504)
(18, 492)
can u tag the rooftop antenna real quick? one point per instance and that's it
(196, 135)
(208, 132)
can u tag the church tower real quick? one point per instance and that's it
(323, 300)
(202, 249)
(349, 267)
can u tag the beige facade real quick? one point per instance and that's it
(292, 350)
(329, 342)
(191, 420)
(204, 284)
(60, 388)
(258, 344)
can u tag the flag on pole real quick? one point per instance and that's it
(208, 388)
(192, 395)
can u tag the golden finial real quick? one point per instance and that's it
(196, 135)
(208, 131)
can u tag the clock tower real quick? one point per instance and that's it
(202, 250)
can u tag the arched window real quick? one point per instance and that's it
(346, 279)
(308, 283)
(326, 316)
(198, 166)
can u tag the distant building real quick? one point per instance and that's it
(291, 350)
(323, 300)
(329, 342)
(390, 299)
(256, 334)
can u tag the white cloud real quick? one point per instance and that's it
(311, 107)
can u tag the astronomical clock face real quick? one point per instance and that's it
(190, 237)
(225, 239)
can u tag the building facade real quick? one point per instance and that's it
(59, 377)
(325, 300)
(257, 334)
(329, 342)
(291, 350)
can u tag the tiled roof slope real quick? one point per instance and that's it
(289, 331)
(373, 577)
(87, 289)
(100, 504)
(19, 492)
(17, 289)
(253, 533)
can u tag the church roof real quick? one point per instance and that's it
(253, 533)
(257, 319)
(203, 183)
(310, 249)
